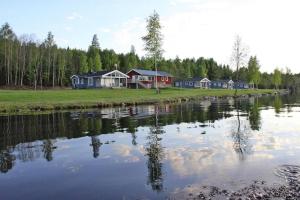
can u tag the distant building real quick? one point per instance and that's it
(140, 78)
(222, 84)
(241, 85)
(100, 79)
(197, 82)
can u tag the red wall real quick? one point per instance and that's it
(159, 78)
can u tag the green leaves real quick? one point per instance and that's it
(94, 59)
(253, 71)
(153, 39)
(277, 78)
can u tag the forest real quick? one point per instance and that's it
(26, 62)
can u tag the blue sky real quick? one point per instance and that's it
(73, 22)
(191, 28)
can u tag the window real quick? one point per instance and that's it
(166, 78)
(82, 81)
(186, 83)
(191, 83)
(90, 81)
(162, 78)
(220, 84)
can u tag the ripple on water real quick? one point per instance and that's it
(288, 172)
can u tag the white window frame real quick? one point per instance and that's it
(162, 78)
(166, 78)
(90, 81)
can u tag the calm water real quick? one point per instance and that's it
(148, 152)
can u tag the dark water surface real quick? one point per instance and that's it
(148, 152)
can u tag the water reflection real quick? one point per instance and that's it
(23, 129)
(240, 134)
(254, 115)
(6, 160)
(96, 144)
(155, 154)
(184, 141)
(277, 104)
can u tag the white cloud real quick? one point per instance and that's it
(105, 30)
(129, 33)
(207, 28)
(68, 28)
(194, 28)
(74, 16)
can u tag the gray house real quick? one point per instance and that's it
(197, 82)
(242, 85)
(222, 84)
(100, 79)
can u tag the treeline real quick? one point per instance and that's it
(24, 61)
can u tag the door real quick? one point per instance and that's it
(98, 82)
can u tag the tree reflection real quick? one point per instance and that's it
(48, 148)
(7, 160)
(240, 136)
(254, 115)
(154, 151)
(96, 144)
(277, 104)
(32, 136)
(130, 125)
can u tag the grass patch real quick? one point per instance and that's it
(30, 100)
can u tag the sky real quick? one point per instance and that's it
(192, 28)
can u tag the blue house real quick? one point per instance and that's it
(197, 82)
(222, 84)
(100, 79)
(241, 85)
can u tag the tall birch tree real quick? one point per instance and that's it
(153, 41)
(239, 55)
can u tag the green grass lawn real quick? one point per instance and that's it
(25, 100)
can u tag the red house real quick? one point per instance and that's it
(139, 78)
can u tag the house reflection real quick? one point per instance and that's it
(29, 137)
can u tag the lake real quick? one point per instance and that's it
(170, 151)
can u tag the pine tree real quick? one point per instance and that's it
(95, 42)
(94, 59)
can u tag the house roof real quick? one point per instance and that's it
(150, 73)
(241, 82)
(99, 74)
(193, 79)
(222, 81)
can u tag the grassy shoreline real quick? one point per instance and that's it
(22, 101)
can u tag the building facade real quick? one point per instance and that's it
(197, 82)
(101, 79)
(241, 85)
(222, 84)
(139, 78)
